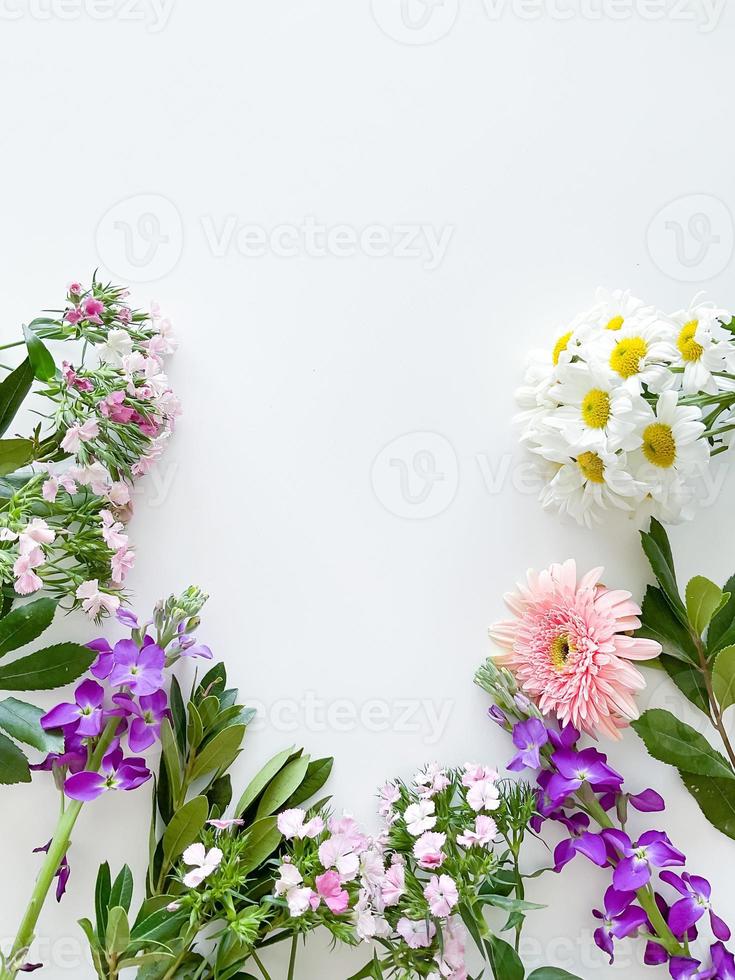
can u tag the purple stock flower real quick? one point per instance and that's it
(620, 919)
(127, 618)
(116, 773)
(85, 714)
(652, 849)
(582, 841)
(696, 901)
(73, 758)
(149, 712)
(188, 646)
(139, 668)
(62, 872)
(528, 736)
(655, 954)
(495, 714)
(684, 968)
(649, 801)
(567, 738)
(723, 961)
(576, 768)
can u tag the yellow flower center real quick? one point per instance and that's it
(689, 348)
(559, 651)
(627, 355)
(592, 467)
(615, 324)
(596, 408)
(659, 445)
(560, 346)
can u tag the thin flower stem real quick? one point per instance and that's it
(16, 343)
(54, 857)
(713, 703)
(266, 974)
(292, 958)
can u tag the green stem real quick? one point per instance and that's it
(644, 895)
(714, 706)
(266, 975)
(16, 343)
(292, 958)
(56, 852)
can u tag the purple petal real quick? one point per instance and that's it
(664, 855)
(152, 657)
(617, 902)
(495, 714)
(85, 786)
(91, 725)
(720, 928)
(620, 840)
(127, 618)
(593, 847)
(648, 801)
(130, 775)
(699, 885)
(673, 879)
(141, 735)
(631, 874)
(629, 921)
(723, 961)
(100, 645)
(198, 650)
(559, 787)
(604, 940)
(102, 666)
(563, 854)
(62, 714)
(684, 914)
(126, 652)
(655, 955)
(89, 694)
(683, 968)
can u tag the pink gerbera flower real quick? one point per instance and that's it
(569, 648)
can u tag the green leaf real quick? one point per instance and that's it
(178, 713)
(14, 453)
(659, 622)
(670, 740)
(552, 973)
(261, 780)
(723, 677)
(185, 827)
(220, 753)
(41, 361)
(213, 682)
(194, 728)
(122, 890)
(24, 624)
(47, 669)
(13, 391)
(658, 551)
(716, 799)
(88, 930)
(286, 782)
(688, 679)
(317, 773)
(23, 722)
(263, 838)
(13, 764)
(704, 599)
(171, 758)
(102, 898)
(155, 922)
(505, 961)
(117, 936)
(721, 632)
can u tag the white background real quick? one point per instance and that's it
(547, 143)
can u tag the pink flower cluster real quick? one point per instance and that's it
(31, 554)
(433, 831)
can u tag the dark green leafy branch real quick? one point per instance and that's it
(697, 634)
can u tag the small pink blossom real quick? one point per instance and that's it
(225, 824)
(202, 862)
(26, 579)
(118, 493)
(75, 288)
(416, 935)
(329, 888)
(484, 833)
(94, 601)
(35, 533)
(337, 852)
(474, 773)
(113, 408)
(393, 885)
(293, 824)
(74, 316)
(77, 434)
(73, 379)
(428, 850)
(95, 476)
(92, 307)
(431, 780)
(112, 531)
(420, 817)
(442, 895)
(122, 562)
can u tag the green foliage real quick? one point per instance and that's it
(13, 392)
(672, 741)
(41, 361)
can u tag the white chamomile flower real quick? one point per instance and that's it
(672, 456)
(700, 346)
(585, 487)
(637, 354)
(596, 410)
(617, 308)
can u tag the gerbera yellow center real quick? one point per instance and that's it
(659, 445)
(615, 324)
(688, 347)
(559, 651)
(627, 355)
(596, 408)
(560, 346)
(592, 467)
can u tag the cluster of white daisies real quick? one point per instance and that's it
(627, 406)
